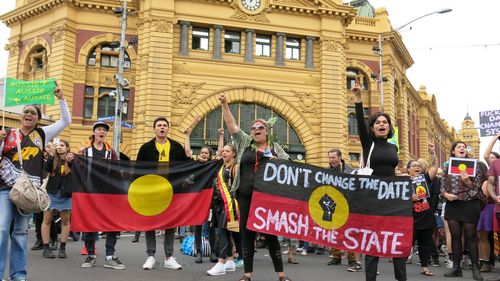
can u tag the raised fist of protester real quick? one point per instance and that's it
(222, 99)
(58, 92)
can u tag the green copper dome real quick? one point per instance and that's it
(365, 9)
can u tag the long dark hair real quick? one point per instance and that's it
(373, 118)
(58, 161)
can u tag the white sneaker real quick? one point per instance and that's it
(218, 269)
(449, 264)
(171, 263)
(150, 263)
(299, 249)
(230, 265)
(304, 252)
(285, 252)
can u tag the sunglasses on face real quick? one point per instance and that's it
(260, 127)
(30, 111)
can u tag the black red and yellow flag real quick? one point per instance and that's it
(122, 195)
(457, 165)
(366, 214)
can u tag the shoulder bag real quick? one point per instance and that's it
(24, 194)
(366, 170)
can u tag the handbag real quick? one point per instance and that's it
(27, 196)
(234, 226)
(366, 170)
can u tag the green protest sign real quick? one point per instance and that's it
(19, 92)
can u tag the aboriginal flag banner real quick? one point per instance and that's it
(365, 214)
(112, 195)
(458, 165)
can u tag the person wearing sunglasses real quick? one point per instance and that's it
(13, 225)
(252, 150)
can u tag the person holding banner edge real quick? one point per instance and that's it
(462, 211)
(383, 159)
(252, 150)
(33, 139)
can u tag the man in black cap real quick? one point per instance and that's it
(97, 147)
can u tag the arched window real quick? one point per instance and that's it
(37, 59)
(351, 74)
(97, 100)
(205, 133)
(107, 54)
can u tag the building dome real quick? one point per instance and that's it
(365, 9)
(467, 117)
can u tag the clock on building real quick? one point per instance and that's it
(252, 7)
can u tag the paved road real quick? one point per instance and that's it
(310, 268)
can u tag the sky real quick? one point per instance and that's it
(455, 53)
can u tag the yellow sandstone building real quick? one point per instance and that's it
(290, 59)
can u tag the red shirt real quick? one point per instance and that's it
(494, 171)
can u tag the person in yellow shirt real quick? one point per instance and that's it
(161, 149)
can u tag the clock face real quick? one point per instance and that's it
(251, 5)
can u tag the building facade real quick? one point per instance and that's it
(290, 59)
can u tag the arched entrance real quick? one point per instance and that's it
(206, 132)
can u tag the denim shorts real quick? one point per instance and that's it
(59, 203)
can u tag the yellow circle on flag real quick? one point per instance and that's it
(420, 190)
(328, 207)
(150, 195)
(462, 167)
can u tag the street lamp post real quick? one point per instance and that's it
(120, 81)
(378, 51)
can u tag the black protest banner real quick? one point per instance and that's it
(365, 214)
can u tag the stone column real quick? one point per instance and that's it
(249, 45)
(184, 45)
(217, 42)
(280, 55)
(309, 52)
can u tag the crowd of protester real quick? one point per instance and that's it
(455, 223)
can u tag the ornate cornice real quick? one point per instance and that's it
(37, 8)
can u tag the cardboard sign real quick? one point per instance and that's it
(420, 187)
(457, 165)
(489, 123)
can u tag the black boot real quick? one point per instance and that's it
(47, 252)
(476, 273)
(62, 253)
(198, 258)
(456, 271)
(38, 245)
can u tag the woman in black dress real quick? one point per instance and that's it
(383, 161)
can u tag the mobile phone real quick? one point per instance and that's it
(56, 142)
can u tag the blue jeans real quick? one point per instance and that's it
(13, 226)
